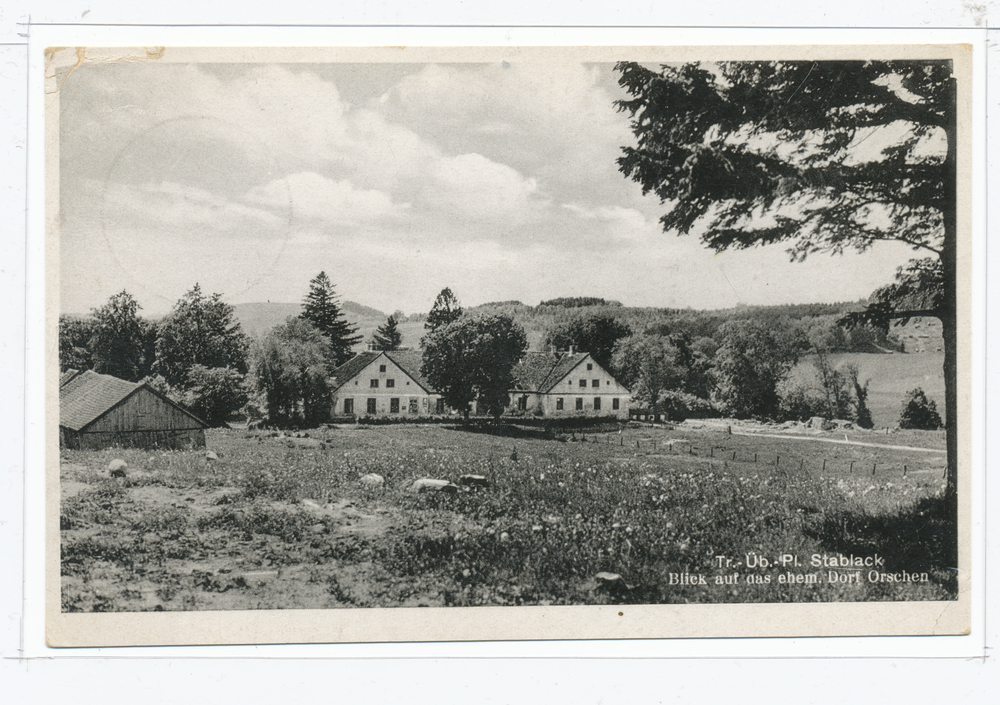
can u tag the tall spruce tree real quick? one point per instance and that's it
(321, 307)
(387, 337)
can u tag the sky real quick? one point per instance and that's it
(497, 180)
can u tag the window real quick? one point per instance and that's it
(371, 406)
(597, 403)
(349, 407)
(559, 403)
(390, 383)
(579, 403)
(394, 406)
(595, 383)
(439, 408)
(381, 368)
(583, 383)
(373, 384)
(522, 403)
(589, 367)
(615, 404)
(413, 405)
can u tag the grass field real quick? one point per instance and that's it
(612, 519)
(892, 376)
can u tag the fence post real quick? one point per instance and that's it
(777, 459)
(711, 452)
(802, 462)
(852, 466)
(824, 464)
(755, 457)
(904, 471)
(873, 469)
(734, 455)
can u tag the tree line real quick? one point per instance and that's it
(198, 356)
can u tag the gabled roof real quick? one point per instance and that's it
(409, 361)
(88, 396)
(66, 376)
(352, 368)
(541, 371)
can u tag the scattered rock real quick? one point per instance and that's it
(372, 480)
(117, 467)
(612, 583)
(429, 485)
(842, 423)
(473, 481)
(211, 455)
(304, 443)
(820, 423)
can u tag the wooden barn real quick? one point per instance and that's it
(100, 411)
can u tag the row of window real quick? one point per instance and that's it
(593, 382)
(372, 407)
(615, 404)
(389, 383)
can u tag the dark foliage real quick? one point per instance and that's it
(321, 308)
(919, 412)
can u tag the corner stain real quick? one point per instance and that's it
(97, 56)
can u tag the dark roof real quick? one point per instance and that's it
(352, 367)
(88, 396)
(409, 361)
(541, 371)
(66, 376)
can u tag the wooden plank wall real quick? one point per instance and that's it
(143, 411)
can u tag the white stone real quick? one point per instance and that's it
(429, 485)
(117, 464)
(372, 480)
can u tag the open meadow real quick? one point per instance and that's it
(647, 515)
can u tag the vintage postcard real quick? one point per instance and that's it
(411, 344)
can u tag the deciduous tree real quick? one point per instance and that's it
(445, 310)
(596, 334)
(752, 361)
(648, 366)
(827, 155)
(199, 330)
(288, 373)
(473, 358)
(118, 345)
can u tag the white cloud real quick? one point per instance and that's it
(311, 195)
(473, 186)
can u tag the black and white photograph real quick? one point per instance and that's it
(509, 337)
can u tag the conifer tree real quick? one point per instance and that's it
(321, 307)
(387, 337)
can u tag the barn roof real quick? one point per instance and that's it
(409, 361)
(87, 396)
(541, 371)
(66, 376)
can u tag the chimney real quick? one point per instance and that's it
(572, 350)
